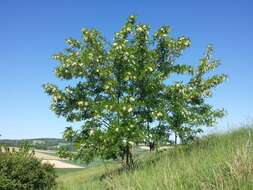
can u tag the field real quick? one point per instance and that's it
(51, 158)
(222, 161)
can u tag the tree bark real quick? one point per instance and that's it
(129, 158)
(175, 138)
(151, 146)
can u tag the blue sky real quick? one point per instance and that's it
(31, 31)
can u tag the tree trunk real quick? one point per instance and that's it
(151, 146)
(129, 158)
(175, 138)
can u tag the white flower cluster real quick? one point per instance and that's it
(68, 60)
(50, 88)
(184, 41)
(91, 132)
(177, 85)
(128, 142)
(84, 30)
(128, 75)
(207, 93)
(128, 29)
(190, 88)
(97, 116)
(124, 141)
(162, 32)
(149, 137)
(132, 17)
(72, 43)
(90, 55)
(69, 91)
(142, 28)
(87, 33)
(187, 43)
(150, 69)
(74, 64)
(131, 99)
(139, 29)
(82, 146)
(106, 87)
(56, 57)
(182, 91)
(119, 47)
(185, 112)
(193, 120)
(157, 114)
(108, 107)
(128, 109)
(224, 78)
(82, 103)
(57, 97)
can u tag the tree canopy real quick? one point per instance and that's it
(121, 92)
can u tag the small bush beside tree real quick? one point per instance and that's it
(20, 170)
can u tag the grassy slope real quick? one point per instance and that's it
(217, 162)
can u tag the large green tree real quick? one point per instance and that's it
(117, 89)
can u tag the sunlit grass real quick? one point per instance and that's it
(223, 161)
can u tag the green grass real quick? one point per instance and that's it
(222, 161)
(94, 163)
(64, 171)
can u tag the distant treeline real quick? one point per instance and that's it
(40, 143)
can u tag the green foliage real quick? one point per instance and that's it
(187, 102)
(120, 93)
(20, 170)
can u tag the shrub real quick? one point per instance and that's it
(21, 170)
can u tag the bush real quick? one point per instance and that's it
(20, 170)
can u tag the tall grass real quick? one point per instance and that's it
(223, 161)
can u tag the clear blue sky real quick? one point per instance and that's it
(31, 31)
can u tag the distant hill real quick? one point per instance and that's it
(37, 143)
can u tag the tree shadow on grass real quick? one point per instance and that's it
(142, 161)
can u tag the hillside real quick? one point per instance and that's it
(38, 143)
(223, 161)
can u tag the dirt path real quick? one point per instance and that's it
(54, 160)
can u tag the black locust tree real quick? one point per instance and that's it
(117, 89)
